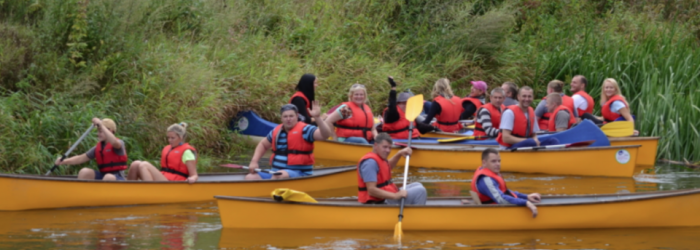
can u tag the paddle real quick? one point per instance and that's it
(618, 129)
(446, 140)
(71, 148)
(246, 167)
(286, 194)
(575, 144)
(413, 109)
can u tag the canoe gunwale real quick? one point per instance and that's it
(621, 198)
(634, 138)
(328, 171)
(479, 150)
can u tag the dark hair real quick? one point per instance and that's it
(487, 152)
(513, 89)
(306, 86)
(583, 79)
(383, 137)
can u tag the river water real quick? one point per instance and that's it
(197, 225)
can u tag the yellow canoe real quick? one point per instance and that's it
(647, 152)
(592, 161)
(22, 192)
(647, 209)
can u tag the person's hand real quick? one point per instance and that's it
(436, 129)
(532, 208)
(192, 179)
(391, 81)
(97, 122)
(406, 151)
(252, 167)
(400, 194)
(315, 110)
(537, 141)
(58, 162)
(635, 133)
(534, 198)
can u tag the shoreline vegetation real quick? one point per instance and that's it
(151, 63)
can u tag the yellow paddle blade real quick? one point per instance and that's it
(456, 139)
(286, 194)
(618, 129)
(397, 231)
(414, 107)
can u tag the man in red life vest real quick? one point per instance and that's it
(491, 187)
(292, 144)
(374, 177)
(109, 153)
(543, 116)
(583, 102)
(518, 126)
(488, 119)
(562, 117)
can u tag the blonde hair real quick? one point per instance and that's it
(356, 87)
(442, 88)
(556, 86)
(179, 128)
(603, 97)
(109, 124)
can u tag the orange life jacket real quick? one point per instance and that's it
(107, 160)
(383, 179)
(448, 119)
(543, 122)
(300, 94)
(299, 151)
(171, 165)
(495, 119)
(358, 125)
(552, 122)
(589, 100)
(608, 115)
(497, 177)
(475, 101)
(399, 129)
(520, 126)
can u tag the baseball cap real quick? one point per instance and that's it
(403, 97)
(480, 85)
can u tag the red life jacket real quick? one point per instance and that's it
(171, 165)
(520, 126)
(383, 179)
(399, 129)
(608, 115)
(300, 94)
(299, 151)
(497, 177)
(589, 100)
(552, 122)
(495, 119)
(107, 160)
(448, 119)
(358, 125)
(475, 101)
(543, 122)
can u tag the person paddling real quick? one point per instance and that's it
(178, 160)
(491, 188)
(488, 119)
(353, 120)
(543, 115)
(583, 102)
(292, 144)
(395, 122)
(446, 107)
(374, 177)
(476, 98)
(518, 124)
(304, 96)
(563, 117)
(109, 153)
(511, 91)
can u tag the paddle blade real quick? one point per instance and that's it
(456, 139)
(618, 129)
(286, 194)
(398, 233)
(413, 107)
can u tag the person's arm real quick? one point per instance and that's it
(324, 131)
(301, 107)
(374, 191)
(541, 109)
(561, 122)
(402, 153)
(469, 110)
(109, 137)
(435, 109)
(484, 118)
(424, 128)
(489, 187)
(625, 112)
(392, 114)
(333, 118)
(260, 150)
(75, 160)
(190, 160)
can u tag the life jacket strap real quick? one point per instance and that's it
(112, 164)
(380, 185)
(295, 152)
(395, 131)
(448, 123)
(173, 171)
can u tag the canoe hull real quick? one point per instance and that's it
(671, 211)
(572, 161)
(39, 193)
(647, 152)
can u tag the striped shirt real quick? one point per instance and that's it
(484, 118)
(280, 161)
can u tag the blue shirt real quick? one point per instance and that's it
(280, 161)
(489, 187)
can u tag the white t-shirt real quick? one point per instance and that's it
(616, 106)
(580, 102)
(507, 119)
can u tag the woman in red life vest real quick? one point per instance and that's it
(543, 116)
(395, 122)
(446, 107)
(353, 120)
(109, 153)
(178, 160)
(476, 98)
(561, 117)
(304, 96)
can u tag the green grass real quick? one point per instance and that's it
(150, 63)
